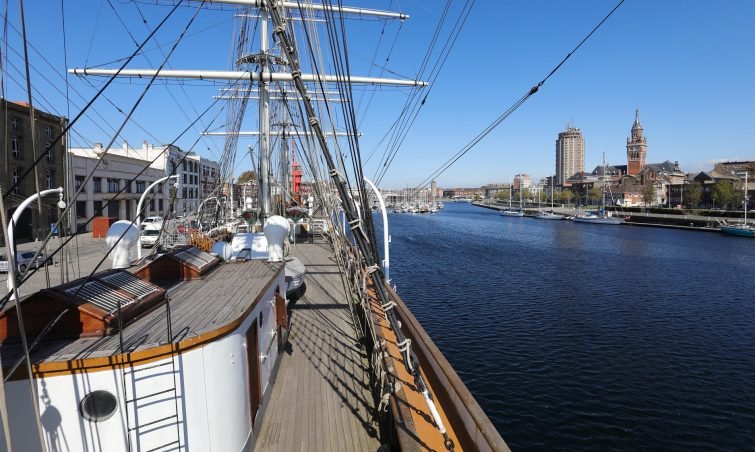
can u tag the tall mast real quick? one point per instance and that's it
(264, 108)
(603, 207)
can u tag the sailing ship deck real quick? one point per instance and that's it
(197, 307)
(321, 400)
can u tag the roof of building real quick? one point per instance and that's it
(610, 170)
(664, 167)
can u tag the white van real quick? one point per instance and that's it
(155, 221)
(149, 235)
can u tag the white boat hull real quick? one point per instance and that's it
(599, 220)
(549, 216)
(212, 400)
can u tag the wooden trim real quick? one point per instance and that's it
(451, 393)
(141, 357)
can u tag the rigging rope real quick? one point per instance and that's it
(454, 158)
(81, 113)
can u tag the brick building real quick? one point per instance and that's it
(18, 156)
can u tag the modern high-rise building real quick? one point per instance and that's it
(570, 154)
(637, 147)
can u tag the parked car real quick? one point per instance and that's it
(149, 236)
(24, 260)
(152, 221)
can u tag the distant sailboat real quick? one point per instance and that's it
(743, 229)
(601, 216)
(510, 212)
(549, 215)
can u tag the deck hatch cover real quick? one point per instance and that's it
(130, 283)
(195, 257)
(100, 295)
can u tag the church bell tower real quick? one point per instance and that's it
(637, 147)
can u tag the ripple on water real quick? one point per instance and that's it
(585, 337)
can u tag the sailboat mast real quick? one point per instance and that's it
(745, 197)
(264, 107)
(603, 206)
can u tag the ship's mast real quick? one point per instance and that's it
(264, 109)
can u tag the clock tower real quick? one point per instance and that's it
(637, 147)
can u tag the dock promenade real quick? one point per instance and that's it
(665, 220)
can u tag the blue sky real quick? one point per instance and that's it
(688, 66)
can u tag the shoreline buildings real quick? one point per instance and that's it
(25, 142)
(570, 154)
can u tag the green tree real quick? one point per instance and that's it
(476, 197)
(649, 195)
(566, 196)
(501, 194)
(596, 195)
(247, 176)
(692, 194)
(723, 193)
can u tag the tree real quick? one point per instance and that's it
(596, 195)
(566, 196)
(501, 194)
(692, 194)
(723, 193)
(247, 176)
(649, 195)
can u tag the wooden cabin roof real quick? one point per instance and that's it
(197, 307)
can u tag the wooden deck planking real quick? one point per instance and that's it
(321, 400)
(196, 307)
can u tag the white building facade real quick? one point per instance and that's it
(197, 178)
(116, 184)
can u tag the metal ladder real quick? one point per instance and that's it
(149, 415)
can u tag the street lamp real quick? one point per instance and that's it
(12, 288)
(139, 207)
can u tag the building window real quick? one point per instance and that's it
(113, 185)
(127, 185)
(15, 146)
(183, 191)
(152, 205)
(160, 205)
(50, 178)
(140, 186)
(17, 170)
(48, 131)
(14, 123)
(184, 178)
(81, 209)
(78, 182)
(97, 208)
(50, 153)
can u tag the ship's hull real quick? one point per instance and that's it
(512, 213)
(741, 231)
(199, 396)
(548, 216)
(599, 220)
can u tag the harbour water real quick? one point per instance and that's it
(588, 337)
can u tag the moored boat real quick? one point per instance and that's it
(743, 229)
